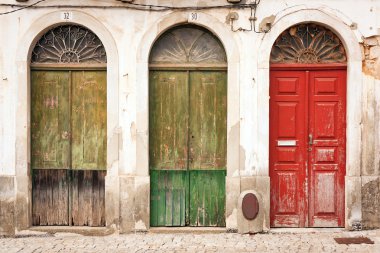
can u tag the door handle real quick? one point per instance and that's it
(310, 139)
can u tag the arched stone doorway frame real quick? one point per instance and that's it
(354, 97)
(226, 37)
(22, 141)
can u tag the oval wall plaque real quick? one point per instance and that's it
(250, 206)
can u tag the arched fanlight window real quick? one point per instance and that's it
(188, 45)
(308, 44)
(69, 44)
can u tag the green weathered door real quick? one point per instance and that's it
(187, 147)
(168, 149)
(68, 147)
(207, 147)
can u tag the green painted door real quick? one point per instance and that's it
(68, 147)
(187, 147)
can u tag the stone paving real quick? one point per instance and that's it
(292, 241)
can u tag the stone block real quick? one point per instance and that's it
(370, 191)
(260, 186)
(134, 203)
(7, 205)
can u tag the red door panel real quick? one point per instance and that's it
(327, 128)
(287, 148)
(307, 148)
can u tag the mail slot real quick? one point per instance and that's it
(286, 143)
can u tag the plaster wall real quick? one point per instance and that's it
(128, 36)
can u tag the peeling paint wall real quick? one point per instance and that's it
(370, 170)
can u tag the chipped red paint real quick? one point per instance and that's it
(307, 146)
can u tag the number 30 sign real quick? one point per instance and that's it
(193, 16)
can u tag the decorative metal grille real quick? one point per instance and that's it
(308, 43)
(69, 44)
(188, 45)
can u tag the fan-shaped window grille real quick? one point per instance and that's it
(188, 45)
(308, 43)
(69, 44)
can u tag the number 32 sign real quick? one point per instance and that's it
(66, 15)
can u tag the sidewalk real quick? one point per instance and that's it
(278, 240)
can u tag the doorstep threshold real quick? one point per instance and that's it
(305, 230)
(82, 230)
(192, 230)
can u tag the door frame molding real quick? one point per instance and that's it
(22, 125)
(328, 18)
(226, 37)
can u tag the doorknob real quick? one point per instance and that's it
(310, 139)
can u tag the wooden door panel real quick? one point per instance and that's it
(207, 198)
(87, 198)
(50, 122)
(169, 198)
(208, 147)
(208, 120)
(177, 105)
(89, 120)
(68, 132)
(327, 158)
(168, 147)
(287, 148)
(50, 197)
(168, 120)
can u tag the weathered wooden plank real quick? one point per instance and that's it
(207, 198)
(89, 120)
(88, 201)
(168, 119)
(168, 197)
(208, 120)
(50, 122)
(50, 197)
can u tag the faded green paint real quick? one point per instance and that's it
(169, 198)
(187, 147)
(208, 120)
(69, 120)
(168, 118)
(68, 130)
(207, 198)
(89, 120)
(50, 119)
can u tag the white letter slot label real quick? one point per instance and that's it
(286, 143)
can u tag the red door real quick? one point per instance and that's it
(307, 147)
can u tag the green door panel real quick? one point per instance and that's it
(207, 198)
(208, 120)
(89, 120)
(187, 147)
(168, 119)
(50, 121)
(169, 197)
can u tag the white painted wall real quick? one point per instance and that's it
(128, 28)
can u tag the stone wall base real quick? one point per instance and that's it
(237, 185)
(370, 197)
(134, 203)
(7, 205)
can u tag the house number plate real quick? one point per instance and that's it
(286, 143)
(66, 15)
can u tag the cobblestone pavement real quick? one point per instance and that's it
(190, 242)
